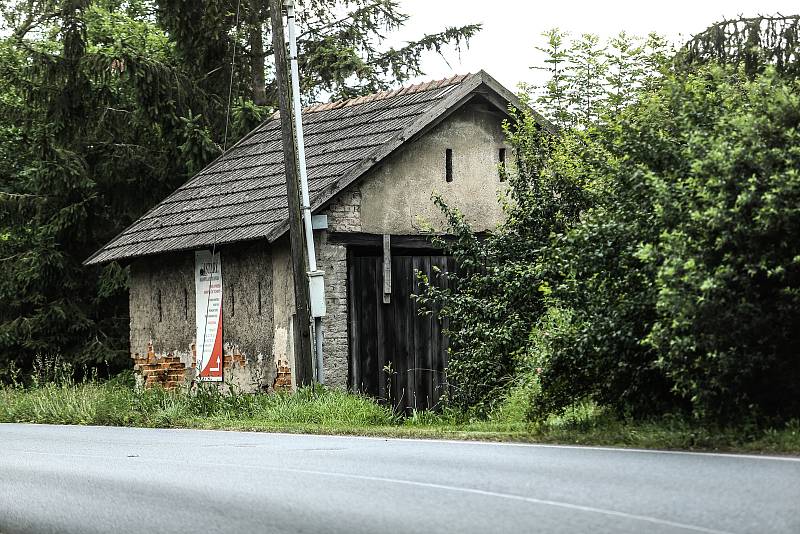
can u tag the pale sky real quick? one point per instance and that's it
(511, 28)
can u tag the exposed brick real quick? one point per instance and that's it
(283, 377)
(167, 372)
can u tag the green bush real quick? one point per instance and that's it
(650, 262)
(727, 258)
(678, 289)
(507, 282)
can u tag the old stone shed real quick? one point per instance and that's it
(373, 164)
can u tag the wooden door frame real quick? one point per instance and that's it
(369, 247)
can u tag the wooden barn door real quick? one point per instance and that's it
(396, 355)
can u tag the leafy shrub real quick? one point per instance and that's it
(501, 282)
(677, 289)
(649, 263)
(728, 258)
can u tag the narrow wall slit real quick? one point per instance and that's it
(502, 169)
(259, 297)
(448, 164)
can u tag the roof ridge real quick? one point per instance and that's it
(429, 85)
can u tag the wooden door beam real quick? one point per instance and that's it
(387, 268)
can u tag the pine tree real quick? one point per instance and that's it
(553, 97)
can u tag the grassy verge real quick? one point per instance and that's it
(335, 412)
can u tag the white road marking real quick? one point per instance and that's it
(445, 487)
(511, 496)
(578, 447)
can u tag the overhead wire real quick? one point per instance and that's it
(218, 191)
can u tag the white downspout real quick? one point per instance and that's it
(316, 278)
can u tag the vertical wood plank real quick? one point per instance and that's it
(428, 375)
(445, 325)
(381, 341)
(353, 306)
(435, 345)
(410, 362)
(417, 343)
(369, 342)
(399, 348)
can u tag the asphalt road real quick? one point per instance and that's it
(90, 479)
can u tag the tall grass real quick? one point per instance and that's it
(94, 403)
(116, 402)
(50, 394)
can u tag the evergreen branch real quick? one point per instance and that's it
(7, 195)
(389, 7)
(408, 57)
(14, 256)
(754, 42)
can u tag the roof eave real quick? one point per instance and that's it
(91, 260)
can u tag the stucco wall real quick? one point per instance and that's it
(171, 332)
(283, 311)
(162, 337)
(247, 315)
(396, 197)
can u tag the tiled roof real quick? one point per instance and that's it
(420, 87)
(242, 195)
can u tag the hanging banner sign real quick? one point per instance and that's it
(208, 315)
